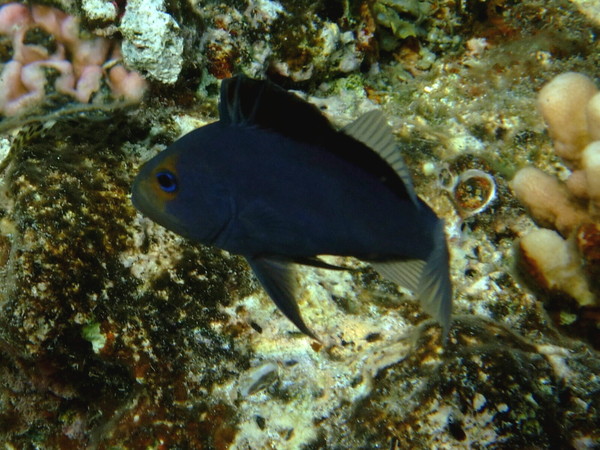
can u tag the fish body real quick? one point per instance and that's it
(272, 180)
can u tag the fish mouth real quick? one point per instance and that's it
(144, 202)
(139, 196)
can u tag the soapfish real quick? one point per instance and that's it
(274, 181)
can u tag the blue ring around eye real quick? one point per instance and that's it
(167, 181)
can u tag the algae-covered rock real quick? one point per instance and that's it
(388, 13)
(99, 344)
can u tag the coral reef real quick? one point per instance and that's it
(509, 395)
(45, 53)
(115, 333)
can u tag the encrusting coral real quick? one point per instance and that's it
(570, 105)
(43, 50)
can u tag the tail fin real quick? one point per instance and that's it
(434, 288)
(430, 279)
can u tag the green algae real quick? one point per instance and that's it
(391, 15)
(91, 333)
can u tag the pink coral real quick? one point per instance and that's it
(13, 17)
(548, 200)
(38, 68)
(126, 85)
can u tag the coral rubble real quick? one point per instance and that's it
(152, 41)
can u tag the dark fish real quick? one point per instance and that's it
(272, 180)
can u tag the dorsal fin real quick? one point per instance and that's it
(249, 102)
(263, 104)
(372, 130)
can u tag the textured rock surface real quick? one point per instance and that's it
(152, 41)
(117, 333)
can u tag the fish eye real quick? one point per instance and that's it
(167, 181)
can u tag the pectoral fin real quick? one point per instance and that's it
(276, 276)
(318, 263)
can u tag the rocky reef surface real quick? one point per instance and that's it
(115, 333)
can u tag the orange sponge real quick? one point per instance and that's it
(563, 104)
